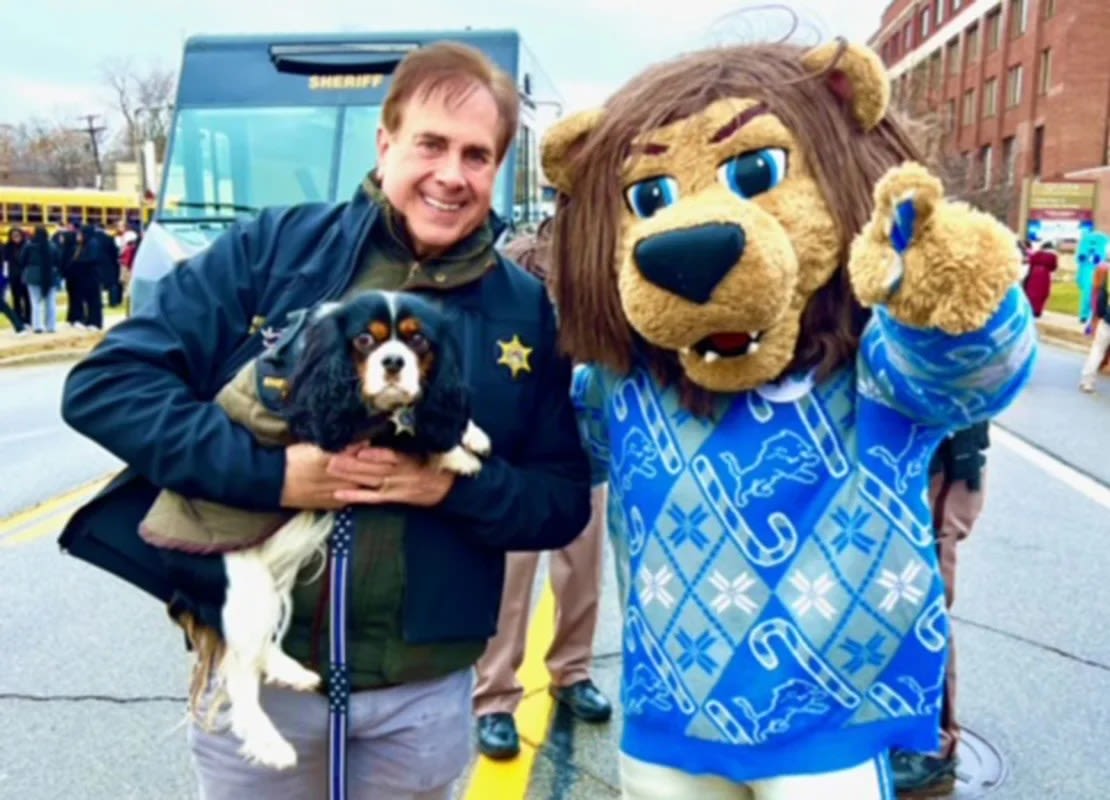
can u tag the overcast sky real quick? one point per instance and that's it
(51, 50)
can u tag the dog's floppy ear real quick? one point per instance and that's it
(325, 405)
(856, 75)
(441, 416)
(561, 143)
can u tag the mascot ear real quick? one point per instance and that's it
(856, 75)
(561, 142)
(324, 405)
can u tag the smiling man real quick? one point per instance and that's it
(428, 558)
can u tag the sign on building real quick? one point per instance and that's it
(1060, 211)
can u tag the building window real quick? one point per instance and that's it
(994, 30)
(990, 97)
(1048, 9)
(957, 5)
(925, 23)
(969, 107)
(936, 71)
(954, 56)
(1009, 159)
(1038, 150)
(950, 116)
(908, 36)
(985, 165)
(940, 11)
(971, 49)
(1013, 86)
(1017, 18)
(1045, 80)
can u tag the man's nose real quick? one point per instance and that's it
(450, 171)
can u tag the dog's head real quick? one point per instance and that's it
(367, 356)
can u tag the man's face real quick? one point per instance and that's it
(438, 167)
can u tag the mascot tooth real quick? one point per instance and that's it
(777, 315)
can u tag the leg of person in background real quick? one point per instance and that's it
(21, 301)
(50, 303)
(13, 317)
(576, 584)
(576, 581)
(36, 308)
(956, 507)
(497, 691)
(94, 300)
(1100, 345)
(74, 314)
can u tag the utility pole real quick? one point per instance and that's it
(93, 131)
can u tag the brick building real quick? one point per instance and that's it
(1021, 88)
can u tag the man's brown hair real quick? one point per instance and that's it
(453, 70)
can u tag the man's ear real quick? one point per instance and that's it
(856, 75)
(561, 142)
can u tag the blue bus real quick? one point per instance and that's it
(279, 120)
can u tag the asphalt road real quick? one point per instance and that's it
(92, 675)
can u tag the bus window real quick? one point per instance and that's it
(114, 216)
(55, 215)
(13, 212)
(358, 148)
(34, 214)
(93, 215)
(229, 160)
(526, 197)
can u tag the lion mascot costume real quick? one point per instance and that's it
(777, 316)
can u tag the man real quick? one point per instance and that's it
(576, 583)
(428, 556)
(956, 495)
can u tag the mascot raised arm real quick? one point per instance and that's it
(778, 315)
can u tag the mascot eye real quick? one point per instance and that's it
(648, 196)
(751, 174)
(364, 343)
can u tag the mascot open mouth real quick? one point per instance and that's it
(726, 345)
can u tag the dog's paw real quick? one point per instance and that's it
(460, 461)
(283, 670)
(476, 440)
(269, 751)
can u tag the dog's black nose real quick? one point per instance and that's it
(393, 364)
(690, 262)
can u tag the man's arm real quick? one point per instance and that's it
(542, 501)
(138, 394)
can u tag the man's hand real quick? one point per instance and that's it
(385, 476)
(308, 483)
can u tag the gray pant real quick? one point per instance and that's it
(407, 742)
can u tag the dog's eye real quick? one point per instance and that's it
(418, 342)
(648, 196)
(752, 174)
(364, 342)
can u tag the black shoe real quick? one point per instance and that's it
(584, 700)
(497, 736)
(921, 775)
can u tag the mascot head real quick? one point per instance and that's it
(708, 208)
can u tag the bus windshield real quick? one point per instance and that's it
(231, 161)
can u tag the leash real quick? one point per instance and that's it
(339, 678)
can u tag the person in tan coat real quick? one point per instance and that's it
(576, 583)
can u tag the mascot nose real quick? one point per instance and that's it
(393, 364)
(690, 262)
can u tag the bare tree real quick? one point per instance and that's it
(144, 99)
(43, 152)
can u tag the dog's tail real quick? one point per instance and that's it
(209, 648)
(303, 537)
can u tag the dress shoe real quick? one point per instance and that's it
(497, 736)
(585, 701)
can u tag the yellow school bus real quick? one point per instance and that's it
(28, 207)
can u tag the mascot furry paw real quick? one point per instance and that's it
(779, 315)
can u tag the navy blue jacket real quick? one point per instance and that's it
(145, 395)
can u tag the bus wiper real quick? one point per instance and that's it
(213, 204)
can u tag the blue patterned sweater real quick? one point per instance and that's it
(784, 612)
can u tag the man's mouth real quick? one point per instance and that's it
(440, 205)
(726, 345)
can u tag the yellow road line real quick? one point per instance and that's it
(508, 780)
(41, 519)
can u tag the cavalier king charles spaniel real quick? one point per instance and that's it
(381, 367)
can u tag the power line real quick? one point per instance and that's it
(93, 130)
